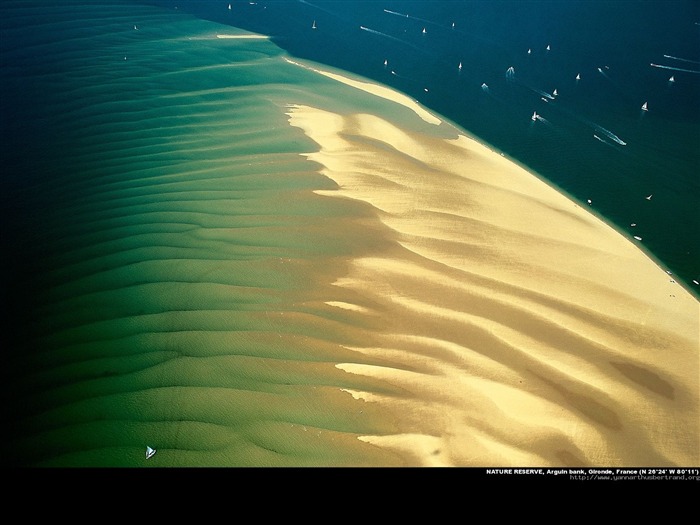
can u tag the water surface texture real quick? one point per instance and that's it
(221, 243)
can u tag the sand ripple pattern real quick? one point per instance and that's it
(239, 261)
(523, 329)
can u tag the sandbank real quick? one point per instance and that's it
(377, 90)
(244, 37)
(522, 329)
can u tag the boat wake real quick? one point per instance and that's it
(320, 8)
(600, 133)
(675, 68)
(384, 35)
(610, 135)
(603, 140)
(682, 59)
(404, 15)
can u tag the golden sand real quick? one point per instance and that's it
(244, 37)
(522, 329)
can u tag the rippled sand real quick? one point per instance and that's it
(250, 261)
(522, 328)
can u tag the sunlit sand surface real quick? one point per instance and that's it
(243, 37)
(243, 260)
(525, 330)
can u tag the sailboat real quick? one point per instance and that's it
(555, 93)
(424, 31)
(313, 26)
(644, 107)
(150, 452)
(548, 48)
(578, 77)
(535, 116)
(386, 62)
(460, 66)
(229, 7)
(529, 51)
(671, 79)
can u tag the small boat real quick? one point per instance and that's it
(386, 62)
(649, 197)
(638, 238)
(644, 107)
(535, 116)
(229, 7)
(529, 51)
(672, 79)
(460, 66)
(150, 452)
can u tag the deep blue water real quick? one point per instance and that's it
(610, 44)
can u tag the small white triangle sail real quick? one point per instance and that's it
(150, 452)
